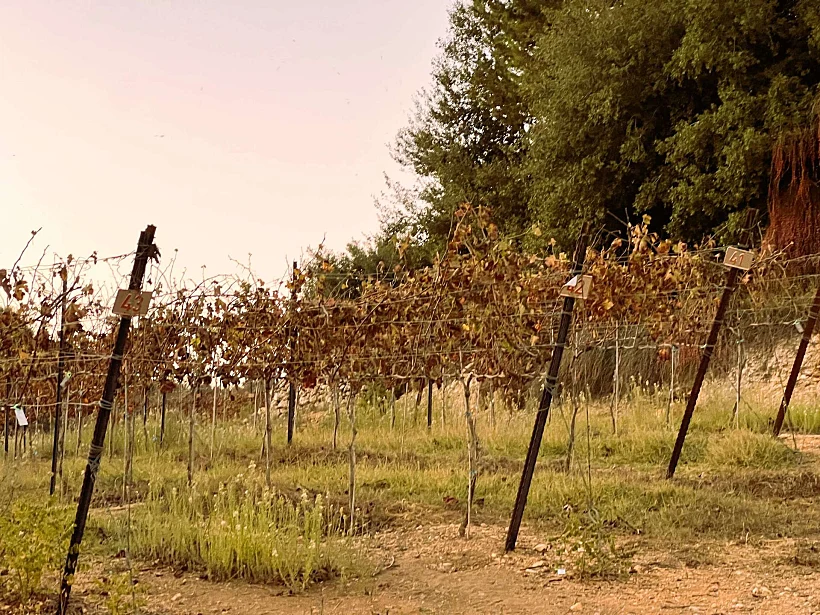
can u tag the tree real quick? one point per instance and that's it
(551, 113)
(667, 107)
(468, 138)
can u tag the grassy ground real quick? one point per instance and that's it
(735, 483)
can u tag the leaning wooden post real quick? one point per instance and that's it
(546, 393)
(162, 419)
(737, 261)
(129, 303)
(808, 330)
(291, 348)
(6, 431)
(429, 404)
(55, 447)
(672, 361)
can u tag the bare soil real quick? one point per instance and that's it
(432, 570)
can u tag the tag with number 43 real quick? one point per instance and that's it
(132, 303)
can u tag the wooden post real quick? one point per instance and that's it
(808, 330)
(6, 432)
(126, 442)
(472, 457)
(672, 363)
(145, 250)
(429, 404)
(292, 343)
(162, 420)
(337, 413)
(268, 430)
(255, 403)
(61, 455)
(213, 421)
(145, 390)
(740, 363)
(58, 403)
(191, 427)
(546, 401)
(351, 455)
(731, 283)
(616, 380)
(492, 404)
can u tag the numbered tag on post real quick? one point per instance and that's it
(132, 303)
(22, 421)
(577, 287)
(739, 259)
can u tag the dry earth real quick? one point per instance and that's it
(431, 570)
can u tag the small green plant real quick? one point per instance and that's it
(33, 539)
(749, 450)
(120, 594)
(241, 530)
(588, 548)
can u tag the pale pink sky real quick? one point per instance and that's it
(234, 126)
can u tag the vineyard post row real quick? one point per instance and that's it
(731, 284)
(145, 250)
(808, 329)
(55, 448)
(291, 343)
(546, 401)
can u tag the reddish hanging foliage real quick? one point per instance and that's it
(794, 194)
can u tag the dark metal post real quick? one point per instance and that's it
(162, 420)
(808, 329)
(55, 447)
(731, 283)
(706, 357)
(292, 342)
(429, 404)
(6, 431)
(145, 250)
(546, 401)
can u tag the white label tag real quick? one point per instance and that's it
(738, 259)
(132, 303)
(577, 287)
(22, 421)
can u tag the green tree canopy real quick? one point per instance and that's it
(555, 112)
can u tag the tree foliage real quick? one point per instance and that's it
(558, 112)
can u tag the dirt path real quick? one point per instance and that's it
(433, 571)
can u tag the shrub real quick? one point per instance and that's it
(749, 450)
(33, 539)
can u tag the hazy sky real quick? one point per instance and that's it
(234, 126)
